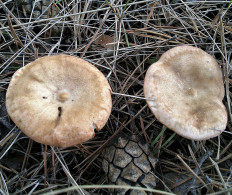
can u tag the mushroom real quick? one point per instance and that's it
(184, 90)
(59, 100)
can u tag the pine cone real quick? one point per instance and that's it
(129, 161)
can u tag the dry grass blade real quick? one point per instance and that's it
(67, 172)
(3, 185)
(110, 187)
(190, 170)
(16, 38)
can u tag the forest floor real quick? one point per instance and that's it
(140, 32)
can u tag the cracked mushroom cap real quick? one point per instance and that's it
(59, 100)
(185, 91)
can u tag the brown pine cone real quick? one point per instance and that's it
(129, 161)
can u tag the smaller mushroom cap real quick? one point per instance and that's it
(59, 100)
(184, 90)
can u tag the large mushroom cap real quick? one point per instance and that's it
(59, 100)
(185, 91)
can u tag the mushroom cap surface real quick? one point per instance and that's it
(184, 90)
(59, 100)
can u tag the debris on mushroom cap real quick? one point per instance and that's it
(185, 91)
(105, 41)
(59, 100)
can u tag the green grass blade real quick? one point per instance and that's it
(160, 134)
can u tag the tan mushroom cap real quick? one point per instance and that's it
(59, 100)
(185, 91)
